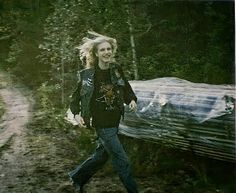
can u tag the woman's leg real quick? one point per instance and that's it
(111, 142)
(89, 167)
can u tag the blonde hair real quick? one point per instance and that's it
(89, 45)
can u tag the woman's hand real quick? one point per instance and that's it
(133, 106)
(80, 120)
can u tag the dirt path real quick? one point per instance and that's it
(17, 114)
(12, 147)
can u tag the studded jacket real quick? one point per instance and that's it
(82, 96)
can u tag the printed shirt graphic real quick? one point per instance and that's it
(104, 105)
(108, 96)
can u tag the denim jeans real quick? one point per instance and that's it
(108, 146)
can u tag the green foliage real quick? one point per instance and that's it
(183, 44)
(44, 92)
(195, 45)
(52, 115)
(15, 51)
(21, 33)
(68, 24)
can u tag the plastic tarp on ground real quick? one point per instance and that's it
(181, 114)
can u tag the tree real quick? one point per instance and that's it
(23, 24)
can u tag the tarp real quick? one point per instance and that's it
(191, 116)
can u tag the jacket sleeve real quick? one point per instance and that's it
(75, 106)
(129, 94)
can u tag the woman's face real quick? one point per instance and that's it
(104, 52)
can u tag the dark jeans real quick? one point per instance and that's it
(108, 146)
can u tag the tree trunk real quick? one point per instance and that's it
(133, 47)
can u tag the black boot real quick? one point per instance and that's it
(77, 186)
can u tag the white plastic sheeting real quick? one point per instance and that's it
(190, 116)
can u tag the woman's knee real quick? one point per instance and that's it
(102, 157)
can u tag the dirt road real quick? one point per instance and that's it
(12, 136)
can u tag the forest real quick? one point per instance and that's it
(191, 40)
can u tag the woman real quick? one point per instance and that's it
(98, 100)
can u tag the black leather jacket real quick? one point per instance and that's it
(82, 95)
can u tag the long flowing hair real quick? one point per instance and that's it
(88, 48)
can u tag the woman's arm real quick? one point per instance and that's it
(75, 100)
